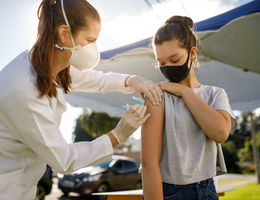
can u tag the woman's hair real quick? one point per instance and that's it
(50, 16)
(177, 28)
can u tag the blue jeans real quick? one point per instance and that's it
(203, 190)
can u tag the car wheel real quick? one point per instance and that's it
(139, 185)
(41, 192)
(65, 193)
(102, 188)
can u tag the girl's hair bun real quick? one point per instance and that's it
(185, 21)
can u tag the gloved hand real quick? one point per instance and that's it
(130, 122)
(145, 87)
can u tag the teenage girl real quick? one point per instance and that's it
(179, 151)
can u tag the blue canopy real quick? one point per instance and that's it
(215, 23)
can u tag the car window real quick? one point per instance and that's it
(118, 165)
(130, 165)
(103, 165)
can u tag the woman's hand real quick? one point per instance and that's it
(130, 122)
(145, 87)
(173, 88)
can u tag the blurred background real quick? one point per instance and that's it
(123, 23)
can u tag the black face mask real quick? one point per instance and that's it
(176, 73)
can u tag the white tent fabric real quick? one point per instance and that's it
(235, 43)
(242, 87)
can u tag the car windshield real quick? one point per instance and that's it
(103, 165)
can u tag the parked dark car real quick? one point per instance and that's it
(45, 184)
(120, 173)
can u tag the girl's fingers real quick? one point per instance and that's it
(163, 87)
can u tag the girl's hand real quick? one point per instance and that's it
(173, 88)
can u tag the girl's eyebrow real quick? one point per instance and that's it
(171, 56)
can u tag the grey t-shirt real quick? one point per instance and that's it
(188, 155)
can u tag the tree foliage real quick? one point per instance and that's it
(91, 126)
(246, 153)
(239, 144)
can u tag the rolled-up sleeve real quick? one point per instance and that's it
(97, 81)
(34, 123)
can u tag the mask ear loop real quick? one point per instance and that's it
(67, 22)
(189, 58)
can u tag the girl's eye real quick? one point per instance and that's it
(175, 61)
(161, 64)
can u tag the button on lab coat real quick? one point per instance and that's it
(29, 128)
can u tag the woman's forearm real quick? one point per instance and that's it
(113, 140)
(216, 125)
(152, 182)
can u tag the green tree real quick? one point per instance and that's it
(80, 134)
(240, 135)
(239, 145)
(231, 158)
(91, 126)
(246, 153)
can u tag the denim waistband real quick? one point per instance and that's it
(203, 183)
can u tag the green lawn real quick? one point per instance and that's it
(246, 192)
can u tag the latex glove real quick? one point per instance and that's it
(130, 122)
(145, 87)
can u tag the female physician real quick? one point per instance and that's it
(32, 89)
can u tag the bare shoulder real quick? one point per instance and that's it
(157, 114)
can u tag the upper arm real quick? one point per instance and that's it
(152, 134)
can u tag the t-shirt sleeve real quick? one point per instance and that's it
(221, 102)
(33, 122)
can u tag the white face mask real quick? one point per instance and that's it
(83, 57)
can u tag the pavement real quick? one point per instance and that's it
(232, 181)
(226, 181)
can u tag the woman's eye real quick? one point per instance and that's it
(91, 41)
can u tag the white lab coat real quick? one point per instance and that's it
(29, 128)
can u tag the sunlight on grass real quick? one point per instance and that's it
(247, 192)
